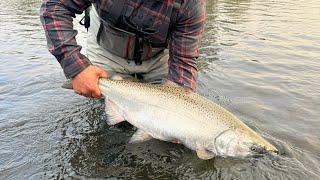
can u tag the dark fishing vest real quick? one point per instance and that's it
(130, 33)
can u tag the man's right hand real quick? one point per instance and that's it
(86, 82)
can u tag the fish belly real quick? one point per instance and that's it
(169, 125)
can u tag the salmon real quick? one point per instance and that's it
(174, 114)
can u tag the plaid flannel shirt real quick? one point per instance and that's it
(56, 17)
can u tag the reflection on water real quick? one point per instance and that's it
(259, 59)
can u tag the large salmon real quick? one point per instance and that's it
(173, 114)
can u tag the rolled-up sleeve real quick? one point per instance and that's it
(56, 17)
(185, 43)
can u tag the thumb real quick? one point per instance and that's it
(101, 73)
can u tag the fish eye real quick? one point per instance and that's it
(258, 149)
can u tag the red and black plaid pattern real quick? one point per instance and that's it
(56, 17)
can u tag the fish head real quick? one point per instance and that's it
(231, 143)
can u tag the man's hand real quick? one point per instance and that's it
(86, 82)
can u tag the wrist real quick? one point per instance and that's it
(83, 68)
(76, 66)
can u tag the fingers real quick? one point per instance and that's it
(94, 88)
(103, 74)
(96, 93)
(86, 82)
(85, 93)
(91, 92)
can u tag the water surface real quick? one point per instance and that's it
(259, 59)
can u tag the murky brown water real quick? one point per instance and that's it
(259, 59)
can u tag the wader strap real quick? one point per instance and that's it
(85, 21)
(138, 50)
(99, 32)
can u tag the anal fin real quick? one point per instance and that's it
(140, 136)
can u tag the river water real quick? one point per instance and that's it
(259, 59)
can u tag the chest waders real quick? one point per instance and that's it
(122, 36)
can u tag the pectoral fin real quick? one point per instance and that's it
(204, 154)
(140, 136)
(114, 115)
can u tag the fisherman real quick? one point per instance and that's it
(150, 40)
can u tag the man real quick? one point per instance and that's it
(128, 38)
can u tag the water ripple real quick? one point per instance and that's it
(259, 59)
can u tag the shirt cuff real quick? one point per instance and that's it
(74, 65)
(188, 82)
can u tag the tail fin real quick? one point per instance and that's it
(67, 84)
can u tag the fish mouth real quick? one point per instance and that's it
(260, 151)
(257, 151)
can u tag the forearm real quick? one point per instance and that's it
(56, 17)
(185, 43)
(183, 71)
